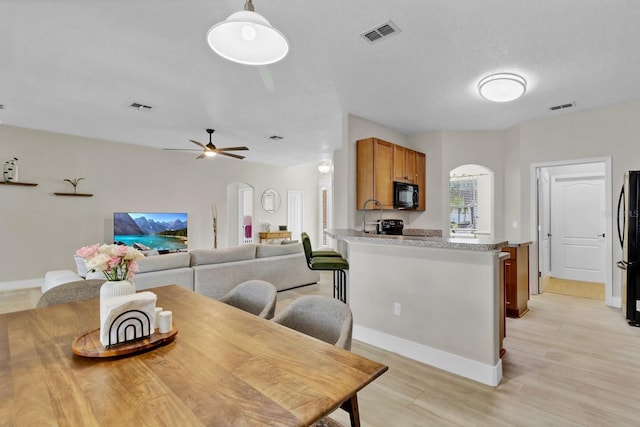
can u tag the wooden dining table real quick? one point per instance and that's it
(224, 368)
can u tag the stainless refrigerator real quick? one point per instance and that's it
(629, 235)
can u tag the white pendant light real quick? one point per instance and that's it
(502, 87)
(247, 38)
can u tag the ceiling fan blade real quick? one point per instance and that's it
(180, 149)
(210, 146)
(201, 156)
(198, 143)
(235, 156)
(232, 148)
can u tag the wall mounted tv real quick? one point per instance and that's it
(162, 231)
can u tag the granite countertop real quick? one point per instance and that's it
(419, 241)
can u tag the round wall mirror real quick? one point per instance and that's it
(270, 200)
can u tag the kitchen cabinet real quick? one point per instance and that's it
(516, 279)
(379, 163)
(374, 173)
(404, 164)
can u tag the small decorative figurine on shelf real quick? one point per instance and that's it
(10, 173)
(74, 182)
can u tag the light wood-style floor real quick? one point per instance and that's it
(569, 362)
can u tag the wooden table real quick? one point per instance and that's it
(225, 368)
(270, 235)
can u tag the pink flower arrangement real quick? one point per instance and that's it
(117, 262)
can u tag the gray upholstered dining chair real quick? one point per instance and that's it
(254, 296)
(324, 318)
(72, 291)
(327, 319)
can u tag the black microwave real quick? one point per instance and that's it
(405, 195)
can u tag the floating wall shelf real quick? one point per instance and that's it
(74, 194)
(26, 184)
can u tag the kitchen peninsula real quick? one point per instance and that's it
(436, 300)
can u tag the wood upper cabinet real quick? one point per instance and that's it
(374, 172)
(404, 164)
(379, 163)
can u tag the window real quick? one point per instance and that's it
(463, 200)
(471, 201)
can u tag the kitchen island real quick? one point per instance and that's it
(436, 300)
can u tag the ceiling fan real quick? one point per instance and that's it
(210, 150)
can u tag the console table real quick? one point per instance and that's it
(270, 235)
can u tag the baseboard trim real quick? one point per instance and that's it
(615, 302)
(21, 284)
(480, 372)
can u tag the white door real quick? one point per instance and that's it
(295, 201)
(578, 225)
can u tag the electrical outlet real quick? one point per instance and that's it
(397, 309)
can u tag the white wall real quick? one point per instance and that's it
(41, 231)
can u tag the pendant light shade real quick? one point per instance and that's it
(247, 37)
(503, 87)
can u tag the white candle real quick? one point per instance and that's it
(156, 319)
(165, 322)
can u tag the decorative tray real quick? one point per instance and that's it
(89, 345)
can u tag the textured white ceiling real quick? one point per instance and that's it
(74, 66)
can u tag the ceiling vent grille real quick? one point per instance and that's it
(276, 137)
(562, 106)
(141, 107)
(380, 32)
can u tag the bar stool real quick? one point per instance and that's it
(333, 262)
(323, 252)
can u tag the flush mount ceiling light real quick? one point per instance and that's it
(247, 38)
(502, 87)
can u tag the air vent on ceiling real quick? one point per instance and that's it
(380, 32)
(276, 137)
(1, 106)
(141, 107)
(562, 106)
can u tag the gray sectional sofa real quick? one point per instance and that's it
(213, 272)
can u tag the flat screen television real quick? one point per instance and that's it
(161, 231)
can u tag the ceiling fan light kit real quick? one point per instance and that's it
(502, 87)
(210, 150)
(246, 37)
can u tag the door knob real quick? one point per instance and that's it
(548, 234)
(601, 235)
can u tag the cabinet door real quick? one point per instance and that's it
(398, 163)
(421, 179)
(383, 173)
(364, 171)
(410, 166)
(374, 173)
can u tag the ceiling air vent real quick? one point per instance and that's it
(380, 32)
(141, 107)
(562, 106)
(275, 137)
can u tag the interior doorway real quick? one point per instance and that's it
(574, 228)
(240, 213)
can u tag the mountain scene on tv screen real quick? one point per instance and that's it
(166, 231)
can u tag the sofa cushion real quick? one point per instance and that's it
(218, 256)
(263, 251)
(163, 262)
